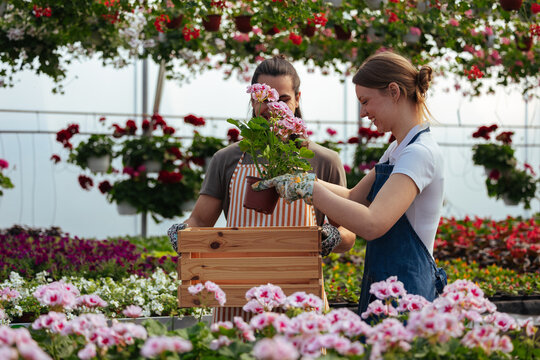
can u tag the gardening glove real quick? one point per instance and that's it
(290, 187)
(330, 239)
(173, 234)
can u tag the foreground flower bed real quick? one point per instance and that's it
(156, 295)
(460, 324)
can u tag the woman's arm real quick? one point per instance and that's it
(359, 193)
(371, 222)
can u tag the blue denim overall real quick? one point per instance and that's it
(399, 252)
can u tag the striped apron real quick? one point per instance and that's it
(297, 213)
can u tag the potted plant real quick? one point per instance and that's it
(513, 187)
(5, 182)
(211, 13)
(504, 180)
(153, 152)
(202, 148)
(275, 144)
(494, 156)
(94, 154)
(242, 13)
(129, 195)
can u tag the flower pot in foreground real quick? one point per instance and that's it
(212, 22)
(98, 164)
(261, 201)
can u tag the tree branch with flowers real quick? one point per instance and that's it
(481, 43)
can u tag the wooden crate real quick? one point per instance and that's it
(239, 258)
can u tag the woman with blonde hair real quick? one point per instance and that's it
(397, 206)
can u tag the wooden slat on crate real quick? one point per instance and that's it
(249, 239)
(278, 268)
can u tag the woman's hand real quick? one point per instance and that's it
(290, 187)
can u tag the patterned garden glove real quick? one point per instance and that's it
(173, 234)
(330, 239)
(290, 187)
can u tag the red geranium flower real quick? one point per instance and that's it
(295, 39)
(3, 164)
(85, 182)
(157, 120)
(55, 158)
(104, 186)
(194, 120)
(354, 140)
(505, 137)
(131, 127)
(169, 177)
(167, 130)
(331, 131)
(233, 135)
(145, 125)
(175, 151)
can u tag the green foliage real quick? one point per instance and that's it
(205, 146)
(96, 146)
(136, 151)
(271, 155)
(5, 183)
(494, 156)
(515, 186)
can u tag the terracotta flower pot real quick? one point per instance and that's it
(175, 22)
(243, 23)
(510, 5)
(212, 22)
(264, 201)
(342, 34)
(308, 30)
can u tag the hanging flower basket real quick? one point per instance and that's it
(212, 22)
(98, 164)
(152, 166)
(264, 201)
(308, 30)
(510, 5)
(243, 23)
(508, 201)
(125, 208)
(175, 22)
(524, 43)
(374, 4)
(341, 33)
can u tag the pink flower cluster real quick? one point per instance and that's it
(57, 295)
(7, 294)
(283, 121)
(210, 287)
(17, 343)
(262, 93)
(157, 345)
(264, 298)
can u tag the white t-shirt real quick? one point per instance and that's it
(422, 161)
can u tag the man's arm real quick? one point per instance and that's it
(206, 212)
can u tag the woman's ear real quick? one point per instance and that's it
(394, 91)
(297, 98)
